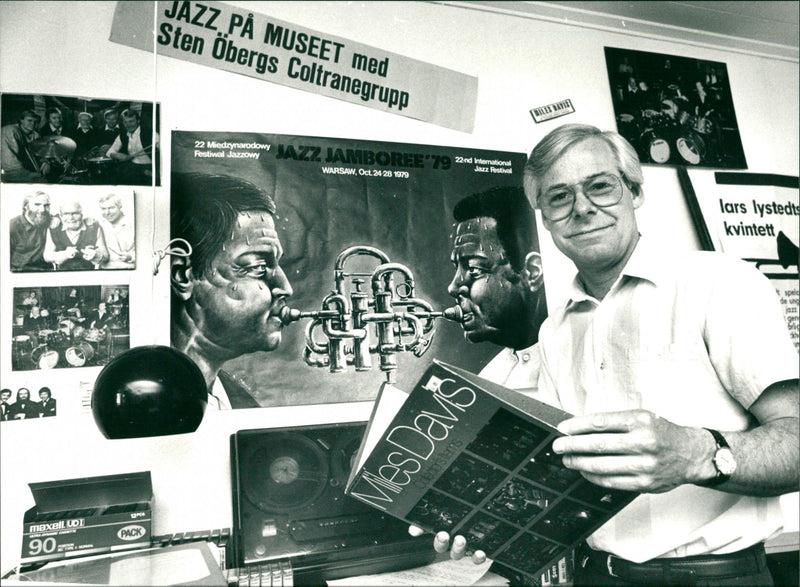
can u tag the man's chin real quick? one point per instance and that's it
(271, 342)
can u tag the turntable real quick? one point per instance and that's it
(289, 506)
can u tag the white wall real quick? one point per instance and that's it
(63, 48)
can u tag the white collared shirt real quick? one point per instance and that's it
(694, 338)
(134, 146)
(515, 369)
(218, 397)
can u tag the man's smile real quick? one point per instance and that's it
(589, 231)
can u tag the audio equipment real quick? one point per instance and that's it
(289, 506)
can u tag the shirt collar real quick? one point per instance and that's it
(521, 354)
(218, 397)
(645, 263)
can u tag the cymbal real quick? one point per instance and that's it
(53, 146)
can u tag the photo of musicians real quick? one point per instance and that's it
(27, 403)
(675, 110)
(75, 140)
(70, 228)
(67, 327)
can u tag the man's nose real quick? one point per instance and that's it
(280, 286)
(583, 205)
(457, 286)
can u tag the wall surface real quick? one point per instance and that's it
(63, 48)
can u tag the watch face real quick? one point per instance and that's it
(724, 461)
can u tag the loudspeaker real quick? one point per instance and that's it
(289, 504)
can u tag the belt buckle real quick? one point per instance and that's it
(609, 567)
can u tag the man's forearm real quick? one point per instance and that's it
(767, 459)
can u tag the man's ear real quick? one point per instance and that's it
(532, 272)
(638, 197)
(180, 275)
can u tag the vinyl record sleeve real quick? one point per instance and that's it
(471, 457)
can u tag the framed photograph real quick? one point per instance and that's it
(68, 327)
(77, 140)
(23, 401)
(675, 110)
(70, 228)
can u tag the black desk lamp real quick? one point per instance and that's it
(149, 391)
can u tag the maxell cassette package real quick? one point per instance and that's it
(91, 515)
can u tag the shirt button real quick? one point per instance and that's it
(602, 364)
(526, 357)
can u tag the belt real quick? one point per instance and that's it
(751, 560)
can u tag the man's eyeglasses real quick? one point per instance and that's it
(602, 190)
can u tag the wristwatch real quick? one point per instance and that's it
(723, 460)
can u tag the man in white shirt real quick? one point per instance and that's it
(132, 149)
(119, 232)
(656, 353)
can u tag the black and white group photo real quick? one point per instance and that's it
(70, 228)
(23, 405)
(76, 140)
(675, 110)
(69, 326)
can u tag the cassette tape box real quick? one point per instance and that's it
(90, 515)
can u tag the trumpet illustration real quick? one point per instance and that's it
(355, 324)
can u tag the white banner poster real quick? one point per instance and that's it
(237, 40)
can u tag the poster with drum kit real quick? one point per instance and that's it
(68, 326)
(675, 110)
(78, 140)
(70, 228)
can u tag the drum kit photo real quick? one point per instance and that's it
(92, 168)
(672, 135)
(67, 346)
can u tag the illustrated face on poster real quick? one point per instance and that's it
(675, 110)
(68, 327)
(70, 228)
(297, 239)
(73, 140)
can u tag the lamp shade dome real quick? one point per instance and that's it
(149, 391)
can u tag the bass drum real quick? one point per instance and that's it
(44, 358)
(691, 147)
(654, 146)
(80, 354)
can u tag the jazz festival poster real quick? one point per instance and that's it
(332, 194)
